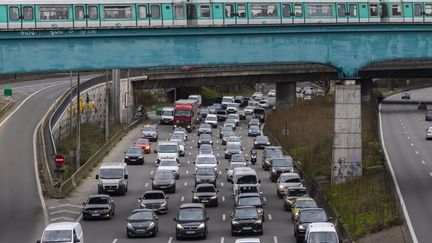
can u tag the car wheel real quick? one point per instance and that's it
(178, 237)
(299, 239)
(128, 235)
(154, 233)
(232, 233)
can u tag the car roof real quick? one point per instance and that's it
(312, 209)
(99, 195)
(192, 205)
(242, 207)
(291, 174)
(153, 191)
(141, 210)
(168, 108)
(205, 185)
(113, 165)
(322, 227)
(62, 226)
(249, 194)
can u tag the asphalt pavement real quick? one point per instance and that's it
(410, 156)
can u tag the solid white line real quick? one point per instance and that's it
(170, 240)
(404, 208)
(151, 172)
(115, 240)
(275, 239)
(185, 184)
(223, 217)
(223, 198)
(146, 185)
(222, 240)
(270, 217)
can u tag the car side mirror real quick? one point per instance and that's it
(126, 177)
(38, 241)
(97, 177)
(218, 162)
(175, 220)
(154, 151)
(192, 191)
(84, 203)
(151, 178)
(194, 162)
(226, 168)
(166, 197)
(207, 218)
(330, 218)
(139, 200)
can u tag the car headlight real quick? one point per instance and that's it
(163, 204)
(255, 142)
(126, 157)
(151, 225)
(301, 227)
(129, 226)
(234, 222)
(260, 210)
(198, 180)
(199, 141)
(140, 156)
(188, 126)
(274, 171)
(195, 198)
(213, 197)
(202, 225)
(258, 221)
(179, 226)
(281, 187)
(143, 205)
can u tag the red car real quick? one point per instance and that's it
(144, 144)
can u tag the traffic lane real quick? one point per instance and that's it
(412, 175)
(419, 94)
(21, 208)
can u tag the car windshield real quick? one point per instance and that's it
(205, 136)
(149, 129)
(227, 99)
(313, 216)
(97, 200)
(50, 236)
(228, 134)
(249, 201)
(233, 117)
(216, 106)
(242, 213)
(259, 111)
(168, 163)
(206, 160)
(111, 173)
(235, 165)
(211, 118)
(204, 171)
(238, 158)
(226, 129)
(177, 137)
(248, 108)
(233, 139)
(232, 105)
(297, 192)
(282, 163)
(167, 113)
(191, 214)
(154, 195)
(254, 128)
(230, 121)
(205, 189)
(139, 216)
(163, 175)
(246, 189)
(274, 153)
(179, 141)
(322, 237)
(289, 179)
(306, 204)
(142, 141)
(182, 113)
(254, 121)
(167, 148)
(247, 179)
(133, 151)
(203, 111)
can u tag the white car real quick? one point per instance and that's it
(182, 131)
(170, 165)
(212, 120)
(232, 107)
(206, 161)
(321, 232)
(429, 133)
(63, 232)
(264, 104)
(257, 96)
(234, 117)
(180, 134)
(248, 110)
(271, 93)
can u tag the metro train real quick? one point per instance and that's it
(55, 14)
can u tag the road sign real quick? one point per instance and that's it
(59, 160)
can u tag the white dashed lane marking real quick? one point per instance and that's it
(223, 217)
(151, 172)
(270, 217)
(416, 152)
(423, 162)
(185, 184)
(146, 185)
(430, 173)
(412, 144)
(170, 240)
(182, 199)
(223, 199)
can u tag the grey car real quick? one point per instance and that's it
(205, 139)
(254, 131)
(231, 149)
(151, 133)
(205, 175)
(226, 135)
(98, 206)
(261, 142)
(205, 149)
(164, 180)
(204, 128)
(134, 155)
(154, 200)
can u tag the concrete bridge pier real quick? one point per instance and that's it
(285, 94)
(366, 90)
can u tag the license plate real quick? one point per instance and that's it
(205, 201)
(190, 232)
(95, 214)
(247, 228)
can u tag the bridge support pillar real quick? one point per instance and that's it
(285, 94)
(366, 90)
(347, 140)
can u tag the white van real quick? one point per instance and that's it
(244, 175)
(112, 178)
(321, 232)
(227, 100)
(197, 98)
(67, 232)
(167, 150)
(167, 115)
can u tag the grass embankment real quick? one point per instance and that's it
(365, 205)
(92, 139)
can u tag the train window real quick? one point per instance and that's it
(396, 10)
(353, 10)
(264, 10)
(155, 11)
(117, 12)
(384, 10)
(93, 12)
(28, 13)
(373, 10)
(142, 11)
(428, 9)
(341, 8)
(179, 11)
(54, 13)
(320, 10)
(229, 10)
(417, 10)
(286, 10)
(298, 10)
(13, 13)
(241, 10)
(205, 11)
(79, 12)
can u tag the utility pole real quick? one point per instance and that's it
(127, 98)
(70, 105)
(78, 124)
(106, 107)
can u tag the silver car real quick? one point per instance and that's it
(249, 110)
(230, 169)
(429, 133)
(286, 180)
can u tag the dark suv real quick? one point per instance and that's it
(280, 165)
(206, 194)
(154, 200)
(251, 199)
(134, 155)
(98, 206)
(245, 219)
(305, 217)
(191, 221)
(268, 153)
(205, 175)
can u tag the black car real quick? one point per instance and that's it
(205, 138)
(254, 121)
(205, 194)
(151, 133)
(246, 220)
(245, 102)
(221, 114)
(231, 149)
(134, 155)
(223, 130)
(191, 221)
(251, 199)
(226, 135)
(142, 222)
(205, 175)
(261, 142)
(204, 128)
(238, 158)
(259, 113)
(305, 217)
(154, 200)
(280, 165)
(428, 116)
(268, 153)
(98, 206)
(241, 114)
(292, 194)
(254, 131)
(203, 112)
(164, 180)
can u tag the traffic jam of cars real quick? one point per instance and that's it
(224, 143)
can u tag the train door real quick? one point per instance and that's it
(155, 14)
(287, 13)
(374, 12)
(167, 14)
(412, 11)
(14, 17)
(299, 13)
(92, 15)
(235, 13)
(86, 16)
(192, 14)
(205, 16)
(180, 14)
(347, 12)
(143, 17)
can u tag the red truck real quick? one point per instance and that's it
(186, 114)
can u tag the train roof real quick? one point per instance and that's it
(67, 2)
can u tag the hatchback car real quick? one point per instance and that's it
(205, 149)
(170, 165)
(142, 222)
(191, 221)
(205, 175)
(300, 204)
(98, 206)
(154, 200)
(206, 194)
(246, 220)
(212, 120)
(134, 155)
(285, 181)
(234, 117)
(213, 108)
(205, 138)
(254, 131)
(280, 165)
(204, 128)
(150, 132)
(261, 141)
(231, 149)
(230, 123)
(268, 153)
(223, 130)
(249, 110)
(232, 107)
(164, 180)
(292, 194)
(306, 217)
(144, 144)
(233, 140)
